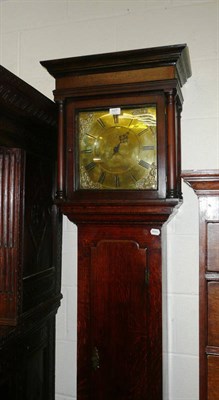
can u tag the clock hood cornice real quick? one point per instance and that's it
(176, 56)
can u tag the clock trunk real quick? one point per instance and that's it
(119, 313)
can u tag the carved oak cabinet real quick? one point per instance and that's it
(30, 237)
(119, 181)
(205, 183)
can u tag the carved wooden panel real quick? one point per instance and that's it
(27, 252)
(38, 221)
(11, 213)
(39, 235)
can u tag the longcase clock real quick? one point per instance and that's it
(119, 167)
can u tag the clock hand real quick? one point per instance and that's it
(116, 148)
(122, 139)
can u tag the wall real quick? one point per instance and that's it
(31, 31)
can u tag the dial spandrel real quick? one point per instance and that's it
(118, 149)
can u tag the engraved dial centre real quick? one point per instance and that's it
(116, 149)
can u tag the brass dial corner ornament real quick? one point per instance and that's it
(118, 148)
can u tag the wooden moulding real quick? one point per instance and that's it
(166, 56)
(127, 71)
(25, 116)
(203, 182)
(11, 206)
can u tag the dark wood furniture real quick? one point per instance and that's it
(119, 231)
(206, 185)
(30, 237)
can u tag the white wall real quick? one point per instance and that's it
(31, 31)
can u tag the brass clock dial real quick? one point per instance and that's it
(118, 148)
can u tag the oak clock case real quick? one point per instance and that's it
(118, 180)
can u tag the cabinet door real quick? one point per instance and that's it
(119, 314)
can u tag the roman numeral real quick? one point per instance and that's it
(142, 132)
(102, 177)
(147, 148)
(116, 119)
(144, 164)
(91, 136)
(86, 151)
(133, 178)
(90, 166)
(131, 121)
(101, 123)
(117, 181)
